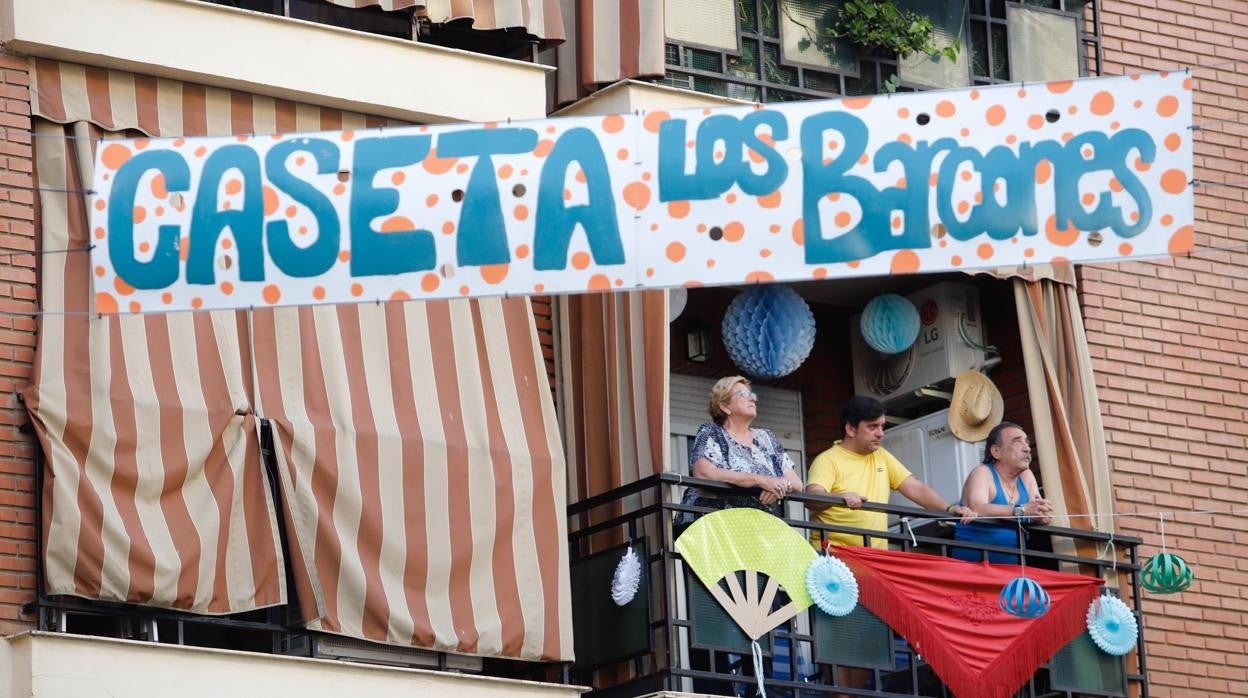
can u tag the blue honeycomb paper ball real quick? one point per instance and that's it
(890, 323)
(768, 331)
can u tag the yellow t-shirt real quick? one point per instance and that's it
(873, 476)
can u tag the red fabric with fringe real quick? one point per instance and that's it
(948, 611)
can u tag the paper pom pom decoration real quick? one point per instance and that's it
(627, 576)
(1112, 625)
(1025, 598)
(831, 585)
(890, 323)
(1166, 573)
(768, 331)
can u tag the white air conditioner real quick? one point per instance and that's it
(950, 329)
(933, 454)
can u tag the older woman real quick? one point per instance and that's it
(729, 450)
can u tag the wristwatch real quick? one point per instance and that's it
(1019, 512)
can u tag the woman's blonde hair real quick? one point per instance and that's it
(721, 394)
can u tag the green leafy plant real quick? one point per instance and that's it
(876, 25)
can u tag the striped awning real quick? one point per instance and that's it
(539, 18)
(420, 471)
(612, 41)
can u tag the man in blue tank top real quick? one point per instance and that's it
(1002, 487)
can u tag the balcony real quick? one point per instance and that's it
(675, 637)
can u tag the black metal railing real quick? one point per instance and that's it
(675, 637)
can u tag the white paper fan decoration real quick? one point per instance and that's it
(626, 578)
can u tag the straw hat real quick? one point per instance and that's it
(976, 408)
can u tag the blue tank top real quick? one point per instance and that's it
(991, 534)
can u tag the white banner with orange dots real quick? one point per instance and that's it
(1088, 170)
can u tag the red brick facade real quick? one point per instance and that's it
(1168, 346)
(17, 345)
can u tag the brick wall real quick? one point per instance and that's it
(17, 342)
(1168, 346)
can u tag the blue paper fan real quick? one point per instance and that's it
(1112, 625)
(832, 586)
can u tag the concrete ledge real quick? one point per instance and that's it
(51, 665)
(277, 56)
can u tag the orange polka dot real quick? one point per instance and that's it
(1058, 87)
(701, 228)
(436, 165)
(905, 262)
(599, 282)
(1089, 199)
(637, 195)
(1035, 121)
(522, 251)
(344, 256)
(99, 233)
(820, 273)
(1125, 249)
(429, 283)
(291, 211)
(178, 143)
(227, 288)
(357, 290)
(1044, 170)
(1183, 240)
(1114, 185)
(448, 227)
(730, 198)
(1173, 141)
(963, 207)
(654, 119)
(233, 187)
(580, 260)
(613, 123)
(759, 277)
(271, 294)
(856, 102)
(945, 109)
(1062, 238)
(505, 171)
(114, 156)
(678, 209)
(1167, 219)
(905, 138)
(543, 147)
(100, 204)
(764, 253)
(431, 200)
(318, 293)
(864, 159)
(1029, 252)
(521, 212)
(896, 223)
(995, 115)
(299, 161)
(105, 303)
(184, 248)
(339, 190)
(159, 190)
(397, 178)
(956, 260)
(771, 200)
(675, 251)
(1168, 106)
(1011, 139)
(201, 151)
(461, 168)
(974, 94)
(399, 296)
(140, 214)
(1141, 166)
(270, 200)
(734, 231)
(1102, 103)
(842, 219)
(965, 132)
(197, 302)
(1174, 181)
(984, 251)
(903, 113)
(494, 274)
(710, 264)
(966, 175)
(144, 247)
(621, 154)
(397, 224)
(799, 231)
(853, 264)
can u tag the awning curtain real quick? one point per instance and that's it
(420, 471)
(538, 18)
(611, 41)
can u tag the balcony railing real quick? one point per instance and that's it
(675, 637)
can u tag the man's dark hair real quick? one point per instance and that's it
(994, 439)
(861, 409)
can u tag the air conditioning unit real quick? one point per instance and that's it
(950, 337)
(933, 454)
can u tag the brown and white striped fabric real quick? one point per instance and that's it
(423, 479)
(539, 18)
(612, 40)
(615, 391)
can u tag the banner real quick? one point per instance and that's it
(1005, 175)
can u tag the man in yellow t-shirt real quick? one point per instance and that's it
(859, 470)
